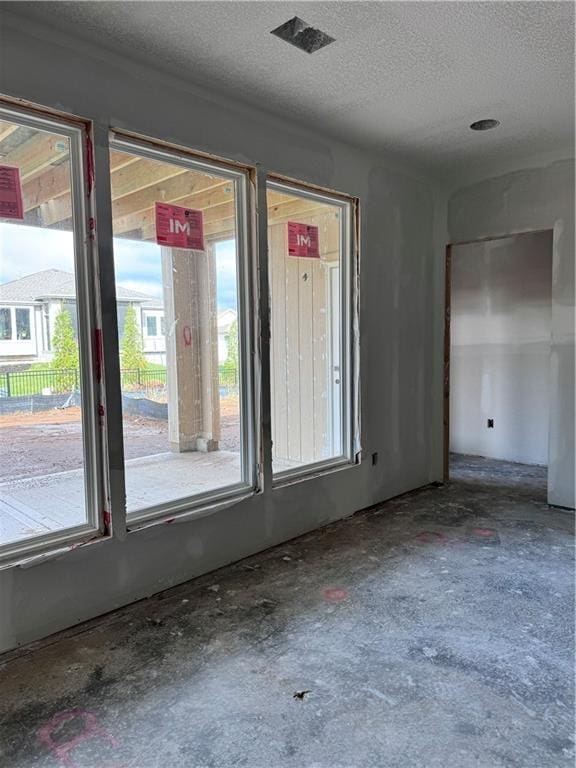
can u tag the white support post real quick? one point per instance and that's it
(189, 283)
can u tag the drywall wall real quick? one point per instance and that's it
(501, 302)
(403, 219)
(536, 198)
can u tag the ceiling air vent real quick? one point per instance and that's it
(302, 35)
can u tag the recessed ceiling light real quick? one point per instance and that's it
(485, 125)
(297, 32)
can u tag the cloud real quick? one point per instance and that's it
(226, 285)
(24, 250)
(138, 263)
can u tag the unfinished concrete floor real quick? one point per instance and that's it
(436, 630)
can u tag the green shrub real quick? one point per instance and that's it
(131, 350)
(65, 347)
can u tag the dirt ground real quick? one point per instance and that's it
(33, 444)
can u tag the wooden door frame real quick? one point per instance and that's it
(447, 340)
(446, 364)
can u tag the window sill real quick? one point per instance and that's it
(300, 474)
(190, 508)
(24, 554)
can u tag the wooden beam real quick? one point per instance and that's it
(179, 190)
(220, 218)
(129, 178)
(128, 174)
(46, 186)
(274, 198)
(212, 233)
(142, 174)
(36, 154)
(135, 191)
(215, 203)
(295, 207)
(7, 129)
(55, 183)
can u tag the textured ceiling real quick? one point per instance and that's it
(404, 77)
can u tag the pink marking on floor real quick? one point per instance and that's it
(62, 751)
(427, 537)
(335, 594)
(484, 532)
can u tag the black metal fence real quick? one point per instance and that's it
(149, 382)
(142, 380)
(36, 382)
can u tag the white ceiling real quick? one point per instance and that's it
(404, 77)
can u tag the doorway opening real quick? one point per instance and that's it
(497, 356)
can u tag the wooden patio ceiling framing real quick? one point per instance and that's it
(137, 183)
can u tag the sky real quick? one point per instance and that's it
(24, 250)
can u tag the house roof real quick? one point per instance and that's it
(225, 319)
(57, 284)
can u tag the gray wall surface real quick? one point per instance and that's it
(403, 219)
(500, 347)
(535, 199)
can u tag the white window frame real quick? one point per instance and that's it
(86, 312)
(155, 314)
(29, 313)
(246, 349)
(149, 316)
(348, 411)
(12, 310)
(12, 320)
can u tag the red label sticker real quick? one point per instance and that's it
(10, 193)
(303, 240)
(179, 227)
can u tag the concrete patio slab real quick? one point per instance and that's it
(33, 506)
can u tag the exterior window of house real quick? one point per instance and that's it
(151, 326)
(23, 324)
(188, 435)
(310, 262)
(5, 324)
(48, 484)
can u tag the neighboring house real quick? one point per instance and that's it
(29, 306)
(153, 333)
(225, 320)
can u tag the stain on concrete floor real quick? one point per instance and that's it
(436, 630)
